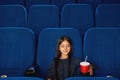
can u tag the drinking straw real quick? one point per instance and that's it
(86, 58)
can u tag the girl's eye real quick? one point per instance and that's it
(68, 46)
(65, 46)
(62, 46)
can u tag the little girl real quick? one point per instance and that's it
(64, 65)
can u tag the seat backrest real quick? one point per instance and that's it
(61, 3)
(91, 78)
(47, 46)
(78, 16)
(101, 45)
(42, 16)
(16, 50)
(107, 15)
(12, 16)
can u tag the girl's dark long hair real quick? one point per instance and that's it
(58, 55)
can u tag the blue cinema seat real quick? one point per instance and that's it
(78, 16)
(42, 16)
(101, 45)
(47, 46)
(91, 78)
(21, 78)
(61, 3)
(12, 16)
(16, 50)
(107, 15)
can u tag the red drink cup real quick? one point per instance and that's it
(84, 67)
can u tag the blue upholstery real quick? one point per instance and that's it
(61, 3)
(101, 45)
(47, 45)
(107, 15)
(94, 3)
(12, 16)
(9, 2)
(78, 16)
(21, 78)
(42, 16)
(112, 1)
(29, 3)
(16, 50)
(91, 78)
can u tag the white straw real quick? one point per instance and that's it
(86, 58)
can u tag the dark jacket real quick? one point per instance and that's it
(62, 68)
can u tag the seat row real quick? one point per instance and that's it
(60, 4)
(18, 53)
(80, 16)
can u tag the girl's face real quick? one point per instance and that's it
(64, 48)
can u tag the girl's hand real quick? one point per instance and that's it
(91, 70)
(48, 79)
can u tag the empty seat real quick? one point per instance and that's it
(61, 3)
(108, 15)
(78, 16)
(16, 50)
(91, 78)
(12, 16)
(101, 45)
(47, 46)
(43, 16)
